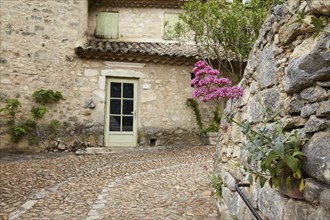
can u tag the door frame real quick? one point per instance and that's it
(107, 132)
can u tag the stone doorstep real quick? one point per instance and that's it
(111, 150)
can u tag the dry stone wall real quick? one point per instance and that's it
(37, 41)
(288, 70)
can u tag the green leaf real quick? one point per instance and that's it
(297, 174)
(258, 142)
(270, 158)
(302, 12)
(272, 172)
(318, 23)
(259, 156)
(301, 185)
(288, 182)
(279, 148)
(293, 139)
(262, 180)
(250, 178)
(279, 128)
(276, 182)
(246, 128)
(249, 159)
(291, 162)
(300, 16)
(298, 153)
(38, 111)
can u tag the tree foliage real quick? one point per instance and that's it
(222, 28)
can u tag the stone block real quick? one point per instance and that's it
(315, 124)
(319, 214)
(272, 99)
(230, 198)
(320, 7)
(270, 203)
(293, 122)
(308, 110)
(254, 110)
(296, 104)
(100, 140)
(243, 211)
(230, 181)
(223, 209)
(313, 94)
(325, 199)
(323, 109)
(289, 32)
(89, 103)
(62, 147)
(325, 84)
(306, 70)
(233, 167)
(317, 152)
(313, 189)
(265, 72)
(92, 151)
(212, 138)
(297, 210)
(91, 72)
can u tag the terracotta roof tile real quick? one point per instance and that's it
(139, 51)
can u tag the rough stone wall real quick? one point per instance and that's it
(134, 23)
(287, 70)
(37, 51)
(37, 41)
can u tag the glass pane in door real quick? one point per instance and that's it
(128, 107)
(128, 90)
(115, 90)
(115, 106)
(115, 123)
(128, 123)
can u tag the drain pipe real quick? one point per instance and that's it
(246, 201)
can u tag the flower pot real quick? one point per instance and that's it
(210, 138)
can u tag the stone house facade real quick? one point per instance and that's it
(288, 71)
(125, 89)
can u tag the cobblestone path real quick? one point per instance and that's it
(167, 183)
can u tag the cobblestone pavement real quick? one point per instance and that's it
(167, 183)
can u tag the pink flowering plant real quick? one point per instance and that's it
(275, 154)
(210, 86)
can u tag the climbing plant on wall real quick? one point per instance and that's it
(19, 127)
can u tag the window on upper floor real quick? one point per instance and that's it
(170, 21)
(107, 25)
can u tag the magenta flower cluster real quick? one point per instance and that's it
(210, 86)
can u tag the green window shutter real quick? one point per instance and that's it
(170, 21)
(107, 25)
